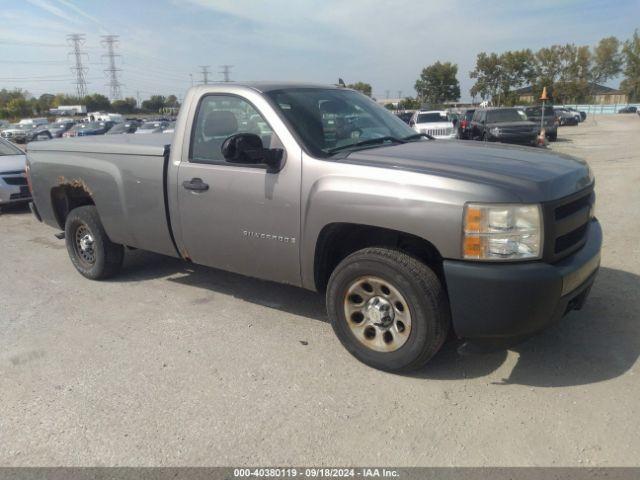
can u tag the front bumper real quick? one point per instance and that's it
(13, 193)
(502, 301)
(518, 138)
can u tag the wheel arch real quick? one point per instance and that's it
(338, 240)
(66, 197)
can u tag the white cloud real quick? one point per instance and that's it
(49, 7)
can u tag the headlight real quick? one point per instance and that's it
(502, 232)
(495, 131)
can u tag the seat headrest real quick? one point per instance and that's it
(220, 123)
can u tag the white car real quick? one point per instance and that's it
(13, 182)
(436, 123)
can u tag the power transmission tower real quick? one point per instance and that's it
(76, 41)
(204, 70)
(225, 70)
(110, 42)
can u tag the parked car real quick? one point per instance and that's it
(404, 116)
(25, 132)
(13, 181)
(408, 237)
(152, 127)
(550, 121)
(582, 113)
(566, 117)
(435, 123)
(89, 128)
(58, 128)
(506, 125)
(171, 128)
(464, 126)
(628, 109)
(34, 121)
(123, 127)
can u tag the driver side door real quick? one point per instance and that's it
(240, 218)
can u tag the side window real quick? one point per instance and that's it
(219, 117)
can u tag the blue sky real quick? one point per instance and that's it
(383, 42)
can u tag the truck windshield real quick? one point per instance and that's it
(331, 119)
(7, 149)
(436, 117)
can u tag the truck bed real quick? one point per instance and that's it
(124, 175)
(153, 144)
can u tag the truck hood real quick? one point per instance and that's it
(12, 163)
(531, 174)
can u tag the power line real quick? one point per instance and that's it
(225, 70)
(204, 70)
(77, 40)
(110, 42)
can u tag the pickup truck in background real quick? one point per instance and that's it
(409, 238)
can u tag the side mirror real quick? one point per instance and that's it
(247, 149)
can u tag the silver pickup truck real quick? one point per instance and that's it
(410, 238)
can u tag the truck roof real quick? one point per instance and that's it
(267, 86)
(156, 144)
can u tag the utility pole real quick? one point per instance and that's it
(225, 70)
(204, 70)
(138, 104)
(191, 77)
(76, 41)
(400, 94)
(110, 42)
(386, 94)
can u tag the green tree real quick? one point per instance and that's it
(171, 102)
(361, 87)
(18, 107)
(96, 103)
(438, 83)
(154, 104)
(607, 62)
(631, 53)
(128, 105)
(409, 103)
(488, 76)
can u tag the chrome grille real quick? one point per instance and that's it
(437, 132)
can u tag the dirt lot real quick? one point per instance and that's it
(174, 365)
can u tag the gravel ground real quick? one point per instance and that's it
(176, 365)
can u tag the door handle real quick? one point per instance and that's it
(195, 184)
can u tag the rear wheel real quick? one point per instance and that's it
(388, 309)
(553, 136)
(91, 251)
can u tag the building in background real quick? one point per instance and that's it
(602, 95)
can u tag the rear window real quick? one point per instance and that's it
(507, 115)
(535, 111)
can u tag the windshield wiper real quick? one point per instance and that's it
(364, 143)
(416, 136)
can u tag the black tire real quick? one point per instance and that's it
(553, 137)
(425, 297)
(104, 258)
(485, 138)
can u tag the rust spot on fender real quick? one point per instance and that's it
(74, 183)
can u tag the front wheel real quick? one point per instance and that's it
(388, 309)
(91, 251)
